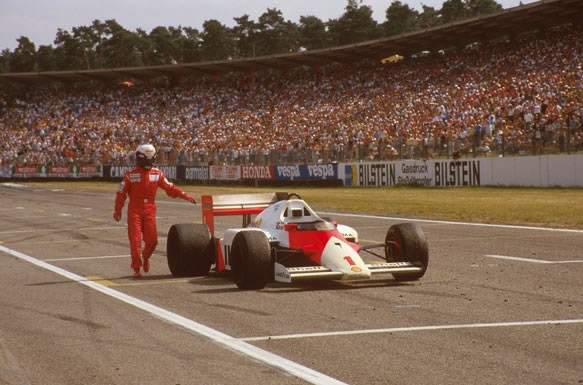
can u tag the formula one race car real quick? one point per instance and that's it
(287, 241)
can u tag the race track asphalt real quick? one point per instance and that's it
(498, 305)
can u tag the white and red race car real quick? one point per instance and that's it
(287, 241)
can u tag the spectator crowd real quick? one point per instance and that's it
(522, 96)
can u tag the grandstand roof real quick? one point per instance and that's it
(512, 21)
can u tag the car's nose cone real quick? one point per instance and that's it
(340, 256)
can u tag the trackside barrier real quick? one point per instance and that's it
(539, 171)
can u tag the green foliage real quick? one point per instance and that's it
(23, 58)
(355, 25)
(106, 44)
(46, 58)
(454, 10)
(5, 57)
(216, 41)
(275, 35)
(312, 32)
(400, 19)
(245, 37)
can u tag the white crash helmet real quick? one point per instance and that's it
(145, 155)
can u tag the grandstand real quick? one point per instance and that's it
(517, 95)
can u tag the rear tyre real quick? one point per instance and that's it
(189, 250)
(406, 242)
(251, 262)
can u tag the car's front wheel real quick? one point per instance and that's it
(406, 242)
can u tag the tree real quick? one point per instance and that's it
(5, 57)
(101, 33)
(245, 36)
(122, 49)
(166, 45)
(400, 18)
(216, 41)
(483, 7)
(23, 58)
(69, 54)
(312, 32)
(453, 10)
(275, 35)
(145, 47)
(46, 58)
(430, 17)
(190, 45)
(87, 40)
(290, 40)
(355, 25)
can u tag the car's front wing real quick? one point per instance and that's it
(292, 274)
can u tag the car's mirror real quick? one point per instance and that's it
(290, 226)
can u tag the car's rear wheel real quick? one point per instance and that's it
(406, 242)
(251, 262)
(189, 249)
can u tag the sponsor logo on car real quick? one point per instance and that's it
(282, 274)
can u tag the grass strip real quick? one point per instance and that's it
(549, 207)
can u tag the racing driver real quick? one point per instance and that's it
(141, 184)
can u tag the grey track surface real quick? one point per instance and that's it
(56, 331)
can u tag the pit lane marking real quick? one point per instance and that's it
(532, 260)
(454, 223)
(412, 329)
(231, 343)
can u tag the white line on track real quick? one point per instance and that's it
(60, 230)
(454, 223)
(413, 329)
(85, 258)
(225, 340)
(532, 260)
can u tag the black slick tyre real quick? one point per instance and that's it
(406, 242)
(189, 249)
(251, 263)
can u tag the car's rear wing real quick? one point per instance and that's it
(237, 204)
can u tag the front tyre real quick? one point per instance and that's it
(406, 242)
(189, 250)
(251, 262)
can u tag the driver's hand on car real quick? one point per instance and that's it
(189, 198)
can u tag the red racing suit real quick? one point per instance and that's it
(141, 185)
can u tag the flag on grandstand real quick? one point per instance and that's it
(392, 59)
